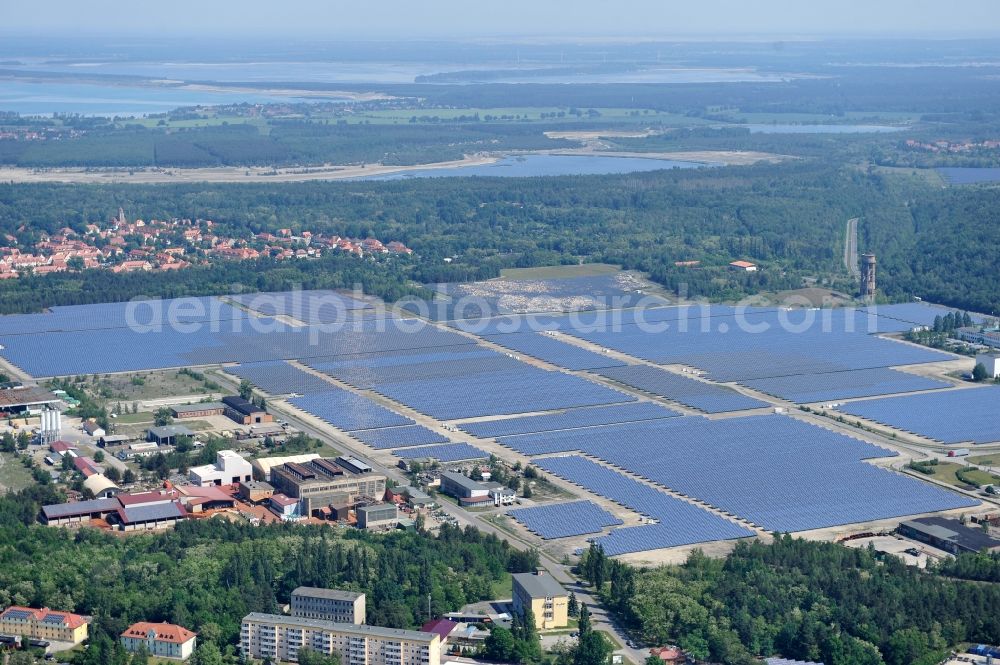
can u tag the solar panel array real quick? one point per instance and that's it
(551, 349)
(317, 306)
(584, 417)
(917, 313)
(562, 520)
(700, 395)
(448, 452)
(952, 416)
(753, 467)
(679, 522)
(348, 411)
(806, 388)
(399, 437)
(277, 377)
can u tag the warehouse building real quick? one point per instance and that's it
(469, 492)
(244, 412)
(166, 435)
(229, 468)
(79, 512)
(277, 637)
(43, 624)
(546, 598)
(200, 410)
(254, 491)
(379, 516)
(262, 466)
(320, 482)
(26, 399)
(949, 535)
(161, 640)
(101, 486)
(328, 605)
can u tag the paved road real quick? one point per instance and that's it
(851, 249)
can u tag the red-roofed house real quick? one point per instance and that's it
(163, 640)
(443, 628)
(43, 624)
(669, 655)
(743, 266)
(87, 466)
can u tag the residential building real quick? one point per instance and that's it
(328, 604)
(547, 599)
(161, 640)
(278, 637)
(443, 628)
(244, 411)
(43, 624)
(378, 516)
(321, 482)
(229, 468)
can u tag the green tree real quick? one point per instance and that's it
(246, 389)
(979, 373)
(572, 606)
(499, 645)
(309, 657)
(163, 416)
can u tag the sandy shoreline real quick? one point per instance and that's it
(240, 174)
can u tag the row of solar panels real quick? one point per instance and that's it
(562, 520)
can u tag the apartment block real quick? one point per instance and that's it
(328, 605)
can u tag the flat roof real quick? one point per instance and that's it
(332, 594)
(170, 430)
(954, 531)
(539, 586)
(26, 396)
(463, 481)
(357, 629)
(377, 507)
(193, 408)
(243, 406)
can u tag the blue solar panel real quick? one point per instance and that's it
(551, 349)
(678, 522)
(584, 417)
(805, 388)
(775, 471)
(449, 452)
(690, 392)
(348, 411)
(561, 520)
(277, 377)
(318, 306)
(918, 313)
(399, 437)
(951, 416)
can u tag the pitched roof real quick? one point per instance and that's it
(165, 511)
(66, 619)
(440, 627)
(162, 632)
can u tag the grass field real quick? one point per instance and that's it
(13, 474)
(140, 386)
(556, 272)
(945, 472)
(992, 459)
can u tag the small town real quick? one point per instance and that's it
(123, 246)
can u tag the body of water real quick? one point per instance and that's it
(764, 128)
(524, 166)
(969, 175)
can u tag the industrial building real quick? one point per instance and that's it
(101, 486)
(200, 410)
(328, 605)
(471, 492)
(546, 598)
(378, 516)
(43, 624)
(277, 637)
(254, 491)
(229, 468)
(161, 640)
(262, 466)
(166, 435)
(991, 362)
(244, 411)
(127, 512)
(320, 482)
(868, 277)
(26, 399)
(949, 535)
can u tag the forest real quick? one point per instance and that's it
(804, 600)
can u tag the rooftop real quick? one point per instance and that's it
(60, 510)
(163, 511)
(374, 631)
(194, 408)
(538, 585)
(165, 431)
(25, 396)
(463, 481)
(331, 594)
(952, 530)
(239, 404)
(19, 613)
(163, 632)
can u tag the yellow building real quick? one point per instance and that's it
(545, 597)
(43, 624)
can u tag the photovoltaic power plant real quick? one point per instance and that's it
(753, 467)
(918, 313)
(398, 437)
(562, 520)
(277, 377)
(348, 411)
(697, 394)
(317, 306)
(806, 388)
(551, 349)
(678, 522)
(584, 417)
(448, 452)
(952, 416)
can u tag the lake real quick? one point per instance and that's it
(524, 166)
(764, 128)
(969, 175)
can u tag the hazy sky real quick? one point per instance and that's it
(420, 19)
